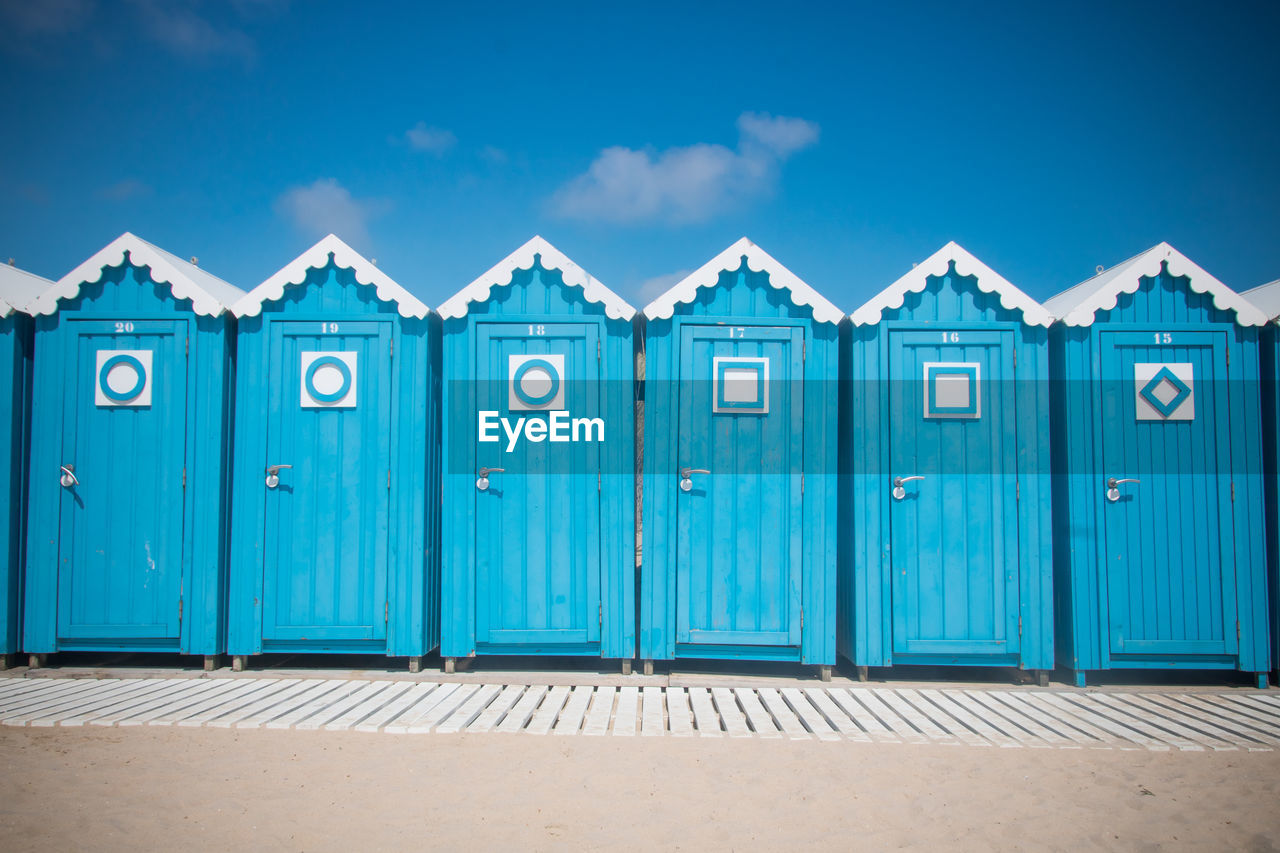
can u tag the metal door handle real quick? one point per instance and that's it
(273, 475)
(68, 477)
(686, 477)
(898, 491)
(1113, 486)
(482, 477)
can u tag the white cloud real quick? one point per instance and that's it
(651, 288)
(494, 155)
(182, 30)
(433, 140)
(684, 184)
(327, 207)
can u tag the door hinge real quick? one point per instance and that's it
(801, 618)
(1233, 491)
(804, 350)
(1237, 629)
(393, 347)
(1019, 625)
(186, 347)
(180, 610)
(1017, 490)
(802, 482)
(184, 476)
(386, 611)
(1015, 358)
(1228, 356)
(600, 613)
(388, 479)
(597, 349)
(598, 487)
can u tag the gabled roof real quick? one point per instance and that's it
(209, 294)
(938, 264)
(1079, 305)
(758, 260)
(18, 289)
(552, 258)
(317, 257)
(1266, 297)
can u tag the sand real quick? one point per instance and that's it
(168, 789)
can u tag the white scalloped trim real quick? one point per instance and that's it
(317, 257)
(938, 264)
(1266, 297)
(18, 289)
(758, 260)
(1081, 309)
(502, 273)
(209, 295)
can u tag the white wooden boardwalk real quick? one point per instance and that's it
(947, 715)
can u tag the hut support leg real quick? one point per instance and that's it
(1042, 677)
(626, 666)
(6, 661)
(862, 673)
(35, 661)
(1081, 680)
(212, 662)
(647, 666)
(450, 665)
(824, 672)
(415, 663)
(1261, 679)
(238, 662)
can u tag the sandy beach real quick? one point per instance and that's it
(168, 789)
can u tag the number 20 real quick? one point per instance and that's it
(124, 327)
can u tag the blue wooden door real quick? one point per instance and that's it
(121, 526)
(954, 537)
(330, 415)
(538, 522)
(739, 572)
(1169, 562)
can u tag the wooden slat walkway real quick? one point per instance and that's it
(945, 715)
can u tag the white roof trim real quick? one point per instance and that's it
(1266, 297)
(502, 273)
(317, 257)
(1079, 305)
(938, 264)
(18, 289)
(209, 294)
(758, 260)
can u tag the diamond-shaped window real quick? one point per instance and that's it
(1165, 392)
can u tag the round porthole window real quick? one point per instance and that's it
(328, 379)
(536, 382)
(122, 378)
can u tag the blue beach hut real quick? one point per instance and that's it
(335, 506)
(17, 290)
(1158, 497)
(129, 441)
(1267, 298)
(740, 479)
(539, 441)
(946, 556)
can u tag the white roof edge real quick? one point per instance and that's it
(989, 281)
(209, 294)
(758, 260)
(501, 273)
(1079, 305)
(1267, 298)
(19, 289)
(317, 257)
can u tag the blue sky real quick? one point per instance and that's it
(847, 140)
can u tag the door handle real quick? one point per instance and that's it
(898, 491)
(1113, 487)
(68, 477)
(686, 477)
(482, 477)
(273, 475)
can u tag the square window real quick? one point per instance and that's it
(741, 385)
(952, 389)
(1164, 391)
